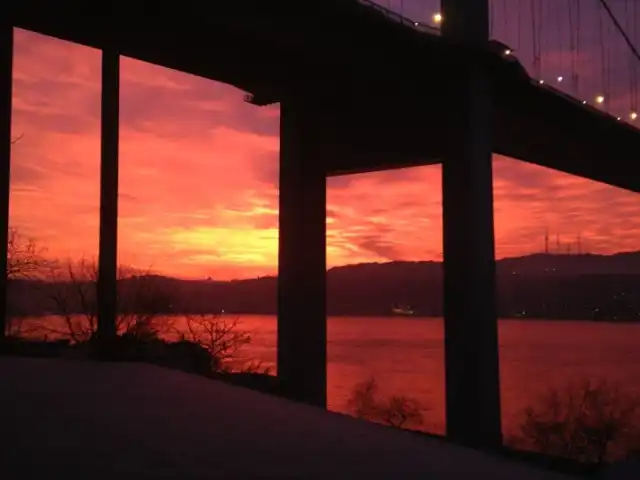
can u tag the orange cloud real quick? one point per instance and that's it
(199, 172)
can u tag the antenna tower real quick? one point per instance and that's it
(546, 241)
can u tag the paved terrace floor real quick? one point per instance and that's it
(65, 419)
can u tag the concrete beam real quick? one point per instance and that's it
(107, 295)
(470, 317)
(302, 325)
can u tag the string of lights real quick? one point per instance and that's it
(538, 15)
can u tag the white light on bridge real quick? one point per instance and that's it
(560, 79)
(540, 82)
(600, 99)
(416, 24)
(633, 115)
(437, 18)
(508, 52)
(584, 102)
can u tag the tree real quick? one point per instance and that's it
(222, 337)
(73, 298)
(143, 315)
(588, 421)
(396, 410)
(25, 261)
(24, 258)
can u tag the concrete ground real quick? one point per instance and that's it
(63, 419)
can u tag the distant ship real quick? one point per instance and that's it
(403, 310)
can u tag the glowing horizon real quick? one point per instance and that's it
(199, 172)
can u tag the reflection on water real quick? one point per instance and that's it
(406, 357)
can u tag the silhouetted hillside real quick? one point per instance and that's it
(544, 286)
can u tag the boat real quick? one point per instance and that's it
(403, 310)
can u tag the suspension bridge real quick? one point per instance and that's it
(563, 73)
(367, 86)
(581, 65)
(586, 49)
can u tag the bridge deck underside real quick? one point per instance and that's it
(387, 92)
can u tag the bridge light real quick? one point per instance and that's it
(560, 79)
(618, 118)
(437, 18)
(633, 115)
(584, 102)
(540, 82)
(508, 51)
(415, 24)
(600, 99)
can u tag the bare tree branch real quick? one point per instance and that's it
(73, 297)
(222, 337)
(396, 410)
(143, 305)
(24, 258)
(588, 421)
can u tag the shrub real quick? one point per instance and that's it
(396, 410)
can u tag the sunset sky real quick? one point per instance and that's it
(199, 172)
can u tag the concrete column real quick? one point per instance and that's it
(471, 337)
(6, 82)
(302, 328)
(107, 295)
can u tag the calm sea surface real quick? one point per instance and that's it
(406, 356)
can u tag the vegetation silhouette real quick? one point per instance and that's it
(73, 300)
(207, 344)
(399, 411)
(25, 261)
(589, 421)
(592, 423)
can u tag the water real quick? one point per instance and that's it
(406, 357)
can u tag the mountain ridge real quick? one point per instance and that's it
(578, 286)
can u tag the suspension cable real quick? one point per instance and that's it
(560, 30)
(603, 59)
(535, 44)
(634, 70)
(519, 29)
(578, 43)
(492, 12)
(613, 18)
(505, 25)
(540, 36)
(607, 59)
(572, 48)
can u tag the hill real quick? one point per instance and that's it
(540, 285)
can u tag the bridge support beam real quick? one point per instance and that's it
(6, 83)
(302, 327)
(470, 317)
(107, 295)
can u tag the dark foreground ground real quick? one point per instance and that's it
(78, 419)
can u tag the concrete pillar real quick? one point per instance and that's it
(471, 337)
(107, 295)
(6, 82)
(302, 328)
